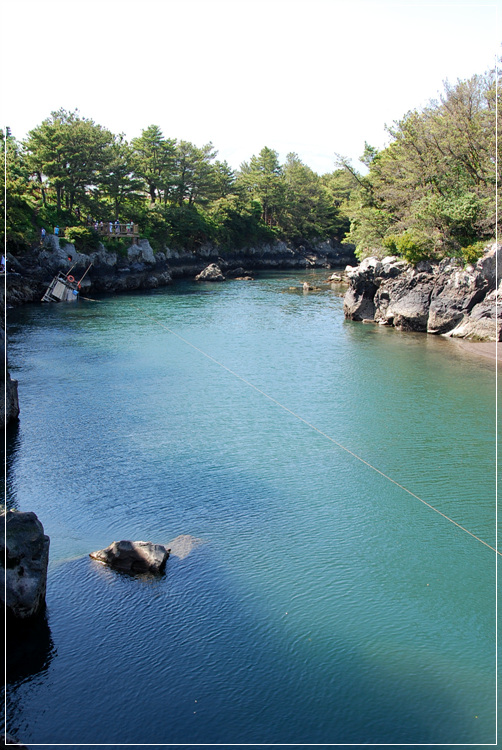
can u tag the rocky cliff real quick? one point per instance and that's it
(443, 298)
(24, 556)
(140, 268)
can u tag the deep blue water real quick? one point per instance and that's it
(324, 604)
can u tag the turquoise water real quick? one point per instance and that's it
(324, 604)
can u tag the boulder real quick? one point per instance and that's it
(405, 305)
(484, 323)
(141, 253)
(455, 293)
(359, 300)
(133, 557)
(210, 273)
(25, 551)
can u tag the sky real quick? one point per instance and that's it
(314, 77)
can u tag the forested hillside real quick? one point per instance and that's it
(430, 193)
(72, 172)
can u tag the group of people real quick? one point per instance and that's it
(114, 227)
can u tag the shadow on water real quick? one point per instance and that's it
(191, 657)
(8, 453)
(30, 648)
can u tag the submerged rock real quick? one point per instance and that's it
(183, 544)
(25, 552)
(133, 557)
(210, 273)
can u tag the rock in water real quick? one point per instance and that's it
(133, 557)
(210, 273)
(25, 552)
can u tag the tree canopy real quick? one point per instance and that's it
(431, 192)
(428, 194)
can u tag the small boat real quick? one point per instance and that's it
(63, 287)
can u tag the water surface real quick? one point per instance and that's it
(324, 604)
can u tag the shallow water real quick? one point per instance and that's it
(321, 603)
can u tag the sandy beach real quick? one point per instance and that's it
(488, 349)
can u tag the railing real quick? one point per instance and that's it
(110, 230)
(117, 230)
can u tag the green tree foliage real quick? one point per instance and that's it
(263, 180)
(118, 182)
(310, 207)
(20, 210)
(155, 157)
(431, 192)
(195, 175)
(75, 172)
(70, 152)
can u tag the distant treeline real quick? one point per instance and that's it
(429, 193)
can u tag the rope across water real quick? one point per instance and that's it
(313, 427)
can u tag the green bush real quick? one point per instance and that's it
(408, 246)
(85, 239)
(472, 253)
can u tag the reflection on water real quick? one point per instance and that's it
(30, 648)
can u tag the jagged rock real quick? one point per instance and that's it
(210, 273)
(407, 306)
(484, 322)
(133, 557)
(142, 253)
(359, 300)
(441, 298)
(455, 294)
(26, 552)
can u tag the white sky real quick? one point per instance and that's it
(311, 76)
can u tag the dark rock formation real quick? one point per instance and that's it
(9, 410)
(210, 273)
(133, 557)
(26, 554)
(442, 298)
(140, 268)
(9, 406)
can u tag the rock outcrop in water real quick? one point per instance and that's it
(25, 554)
(443, 298)
(210, 273)
(133, 557)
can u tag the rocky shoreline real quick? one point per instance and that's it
(444, 298)
(139, 267)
